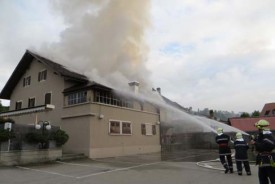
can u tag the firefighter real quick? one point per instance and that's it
(223, 141)
(241, 157)
(265, 145)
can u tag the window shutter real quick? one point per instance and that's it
(143, 129)
(48, 97)
(45, 74)
(39, 76)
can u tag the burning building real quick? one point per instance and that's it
(100, 122)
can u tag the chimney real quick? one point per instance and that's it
(159, 90)
(134, 85)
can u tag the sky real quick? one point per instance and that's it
(214, 54)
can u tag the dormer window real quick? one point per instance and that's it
(42, 75)
(27, 81)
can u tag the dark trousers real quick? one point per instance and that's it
(240, 167)
(266, 172)
(228, 164)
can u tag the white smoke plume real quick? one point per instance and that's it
(104, 40)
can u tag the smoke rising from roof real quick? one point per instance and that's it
(104, 39)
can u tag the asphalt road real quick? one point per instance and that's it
(183, 167)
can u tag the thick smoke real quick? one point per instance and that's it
(104, 40)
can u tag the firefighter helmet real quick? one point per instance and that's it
(262, 124)
(239, 135)
(219, 130)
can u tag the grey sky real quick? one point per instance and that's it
(215, 54)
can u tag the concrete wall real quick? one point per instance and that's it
(123, 151)
(28, 157)
(196, 140)
(78, 129)
(106, 144)
(89, 133)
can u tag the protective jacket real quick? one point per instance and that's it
(265, 145)
(241, 148)
(223, 142)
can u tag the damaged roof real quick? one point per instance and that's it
(23, 65)
(174, 104)
(87, 85)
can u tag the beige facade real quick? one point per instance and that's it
(96, 127)
(54, 84)
(91, 130)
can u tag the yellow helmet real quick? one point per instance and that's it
(239, 135)
(262, 124)
(219, 130)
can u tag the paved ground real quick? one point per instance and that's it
(186, 167)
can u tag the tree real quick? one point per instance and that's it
(4, 120)
(3, 108)
(245, 115)
(61, 137)
(255, 114)
(6, 135)
(211, 114)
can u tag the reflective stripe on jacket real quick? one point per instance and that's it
(265, 145)
(223, 140)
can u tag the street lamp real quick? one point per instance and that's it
(45, 125)
(7, 126)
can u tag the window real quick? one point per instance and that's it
(78, 97)
(109, 98)
(27, 81)
(120, 127)
(143, 129)
(148, 129)
(48, 98)
(273, 112)
(18, 105)
(115, 127)
(31, 102)
(154, 129)
(267, 112)
(42, 75)
(126, 128)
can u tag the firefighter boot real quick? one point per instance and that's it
(240, 173)
(226, 168)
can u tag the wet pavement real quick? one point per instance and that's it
(188, 167)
